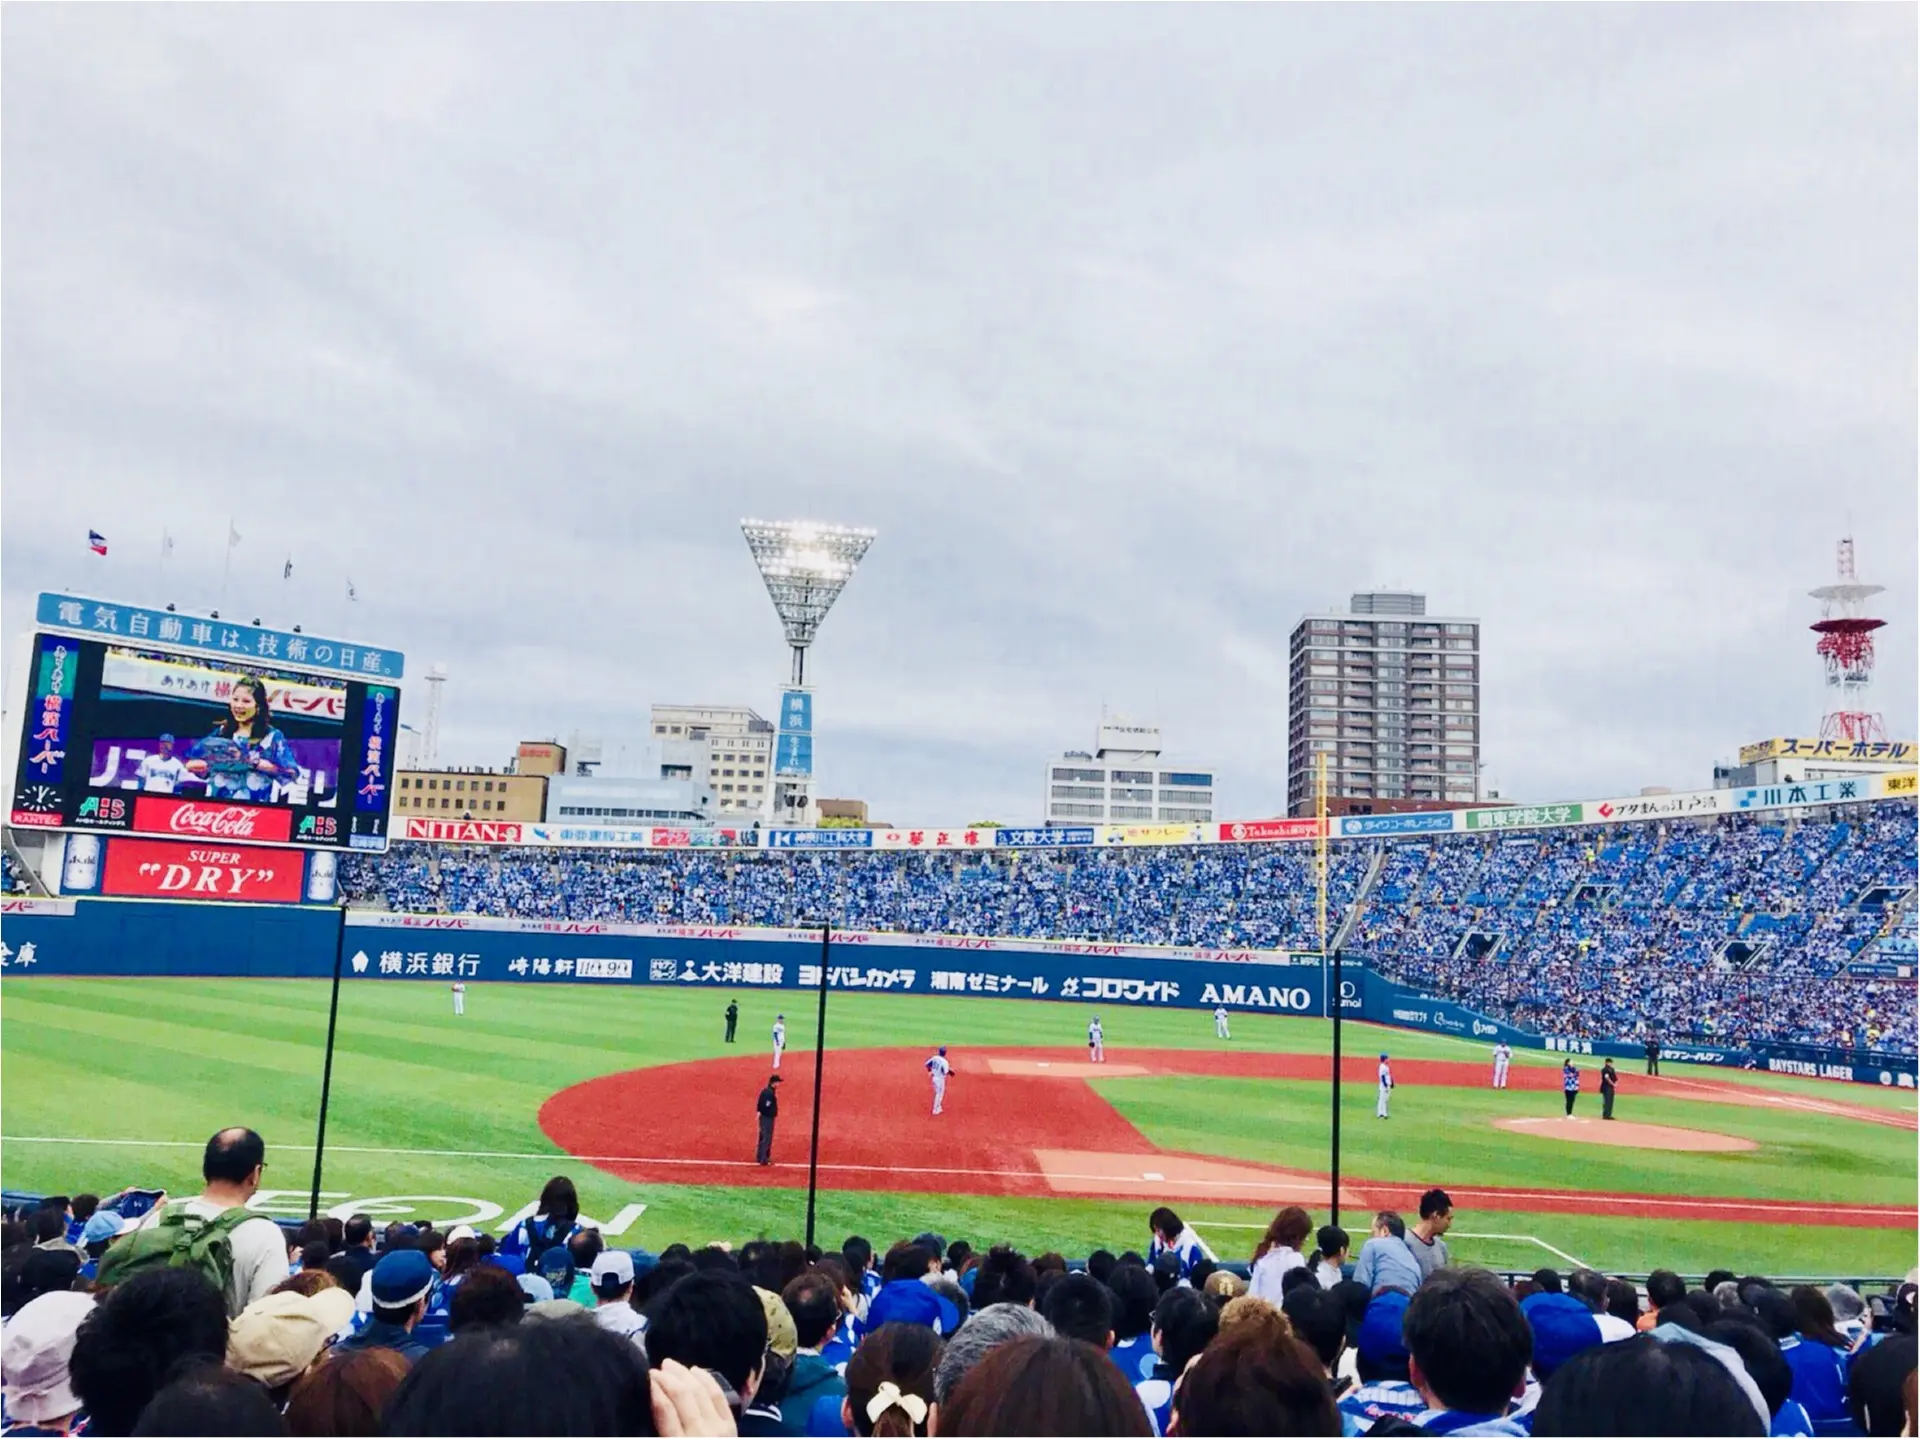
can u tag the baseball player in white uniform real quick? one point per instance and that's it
(1096, 1042)
(779, 1037)
(937, 1070)
(1220, 1030)
(162, 771)
(459, 997)
(1386, 1089)
(1502, 1057)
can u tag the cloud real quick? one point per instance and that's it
(1136, 336)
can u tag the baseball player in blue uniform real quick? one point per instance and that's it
(937, 1070)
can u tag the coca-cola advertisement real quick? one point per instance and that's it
(139, 738)
(204, 819)
(161, 869)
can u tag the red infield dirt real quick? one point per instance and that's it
(1025, 1122)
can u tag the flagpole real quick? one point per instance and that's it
(226, 565)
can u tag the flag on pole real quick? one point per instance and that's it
(166, 544)
(233, 535)
(96, 542)
(353, 595)
(286, 570)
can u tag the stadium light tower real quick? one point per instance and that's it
(805, 566)
(1846, 648)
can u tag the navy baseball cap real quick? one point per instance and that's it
(1380, 1337)
(402, 1278)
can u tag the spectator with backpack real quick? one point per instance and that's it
(555, 1220)
(242, 1252)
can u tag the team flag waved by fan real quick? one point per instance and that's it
(96, 542)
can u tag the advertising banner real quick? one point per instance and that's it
(1861, 751)
(1778, 796)
(933, 839)
(1894, 785)
(218, 639)
(1524, 816)
(1248, 831)
(793, 745)
(1059, 835)
(463, 831)
(163, 869)
(1431, 822)
(819, 839)
(1150, 834)
(1659, 806)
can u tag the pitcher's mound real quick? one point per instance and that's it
(1627, 1134)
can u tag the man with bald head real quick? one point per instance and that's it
(232, 1169)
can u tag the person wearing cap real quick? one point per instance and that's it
(400, 1283)
(34, 1357)
(613, 1296)
(1386, 1089)
(1380, 1357)
(162, 771)
(768, 1106)
(937, 1070)
(101, 1229)
(277, 1339)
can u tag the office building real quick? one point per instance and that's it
(727, 748)
(1391, 696)
(469, 794)
(628, 800)
(1125, 780)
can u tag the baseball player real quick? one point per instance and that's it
(162, 771)
(459, 997)
(1502, 1057)
(779, 1037)
(1386, 1089)
(1220, 1030)
(937, 1070)
(1096, 1042)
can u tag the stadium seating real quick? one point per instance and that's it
(788, 1329)
(1730, 931)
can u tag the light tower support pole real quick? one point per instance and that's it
(805, 567)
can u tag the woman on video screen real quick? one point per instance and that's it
(245, 756)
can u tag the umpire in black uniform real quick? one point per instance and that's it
(769, 1107)
(1653, 1054)
(733, 1018)
(1609, 1077)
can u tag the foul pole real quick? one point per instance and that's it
(1330, 972)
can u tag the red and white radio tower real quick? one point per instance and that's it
(1846, 648)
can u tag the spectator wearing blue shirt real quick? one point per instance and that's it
(1817, 1354)
(1381, 1363)
(1171, 1236)
(906, 1298)
(1385, 1260)
(1134, 1297)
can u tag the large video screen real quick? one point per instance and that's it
(122, 737)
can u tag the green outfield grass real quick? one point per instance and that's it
(165, 1062)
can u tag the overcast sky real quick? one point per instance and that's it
(1136, 332)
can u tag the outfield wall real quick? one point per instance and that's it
(132, 938)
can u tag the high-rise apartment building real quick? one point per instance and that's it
(1391, 696)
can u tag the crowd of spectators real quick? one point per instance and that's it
(1731, 932)
(409, 1331)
